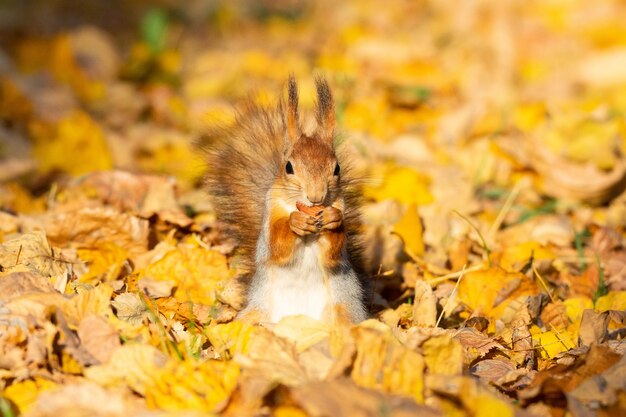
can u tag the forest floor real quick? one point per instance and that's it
(492, 140)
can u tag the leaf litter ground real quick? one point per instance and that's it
(492, 139)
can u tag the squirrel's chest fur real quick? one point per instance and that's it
(299, 287)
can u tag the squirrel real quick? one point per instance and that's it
(287, 199)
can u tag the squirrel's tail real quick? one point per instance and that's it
(243, 162)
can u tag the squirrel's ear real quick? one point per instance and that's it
(293, 122)
(325, 110)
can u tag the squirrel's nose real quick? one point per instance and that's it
(316, 199)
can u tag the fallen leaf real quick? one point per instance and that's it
(199, 273)
(342, 398)
(130, 308)
(424, 305)
(98, 337)
(409, 228)
(135, 365)
(191, 385)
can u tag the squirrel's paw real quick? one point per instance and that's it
(302, 224)
(330, 218)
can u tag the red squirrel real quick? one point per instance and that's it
(286, 197)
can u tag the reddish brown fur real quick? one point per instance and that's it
(282, 240)
(332, 242)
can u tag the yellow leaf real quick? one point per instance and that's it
(135, 365)
(96, 301)
(383, 363)
(233, 337)
(488, 405)
(288, 411)
(75, 145)
(481, 290)
(303, 331)
(409, 228)
(443, 355)
(171, 153)
(199, 273)
(23, 394)
(575, 306)
(523, 252)
(404, 185)
(553, 343)
(188, 385)
(614, 300)
(105, 262)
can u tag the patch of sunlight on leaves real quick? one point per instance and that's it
(575, 306)
(410, 229)
(105, 262)
(230, 338)
(302, 331)
(443, 355)
(199, 273)
(75, 145)
(523, 252)
(190, 385)
(135, 365)
(480, 290)
(383, 363)
(23, 394)
(552, 342)
(173, 154)
(614, 300)
(402, 184)
(95, 301)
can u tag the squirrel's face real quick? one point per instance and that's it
(312, 171)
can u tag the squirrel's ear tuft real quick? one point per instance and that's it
(293, 122)
(325, 110)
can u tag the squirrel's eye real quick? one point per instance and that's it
(289, 168)
(336, 172)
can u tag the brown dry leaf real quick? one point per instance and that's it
(593, 327)
(31, 252)
(602, 391)
(476, 343)
(20, 283)
(156, 288)
(552, 384)
(554, 316)
(98, 337)
(566, 179)
(83, 399)
(91, 227)
(424, 305)
(342, 398)
(491, 370)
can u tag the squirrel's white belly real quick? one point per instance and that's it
(300, 288)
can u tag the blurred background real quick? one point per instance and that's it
(447, 105)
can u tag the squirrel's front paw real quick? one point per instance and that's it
(330, 218)
(301, 223)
